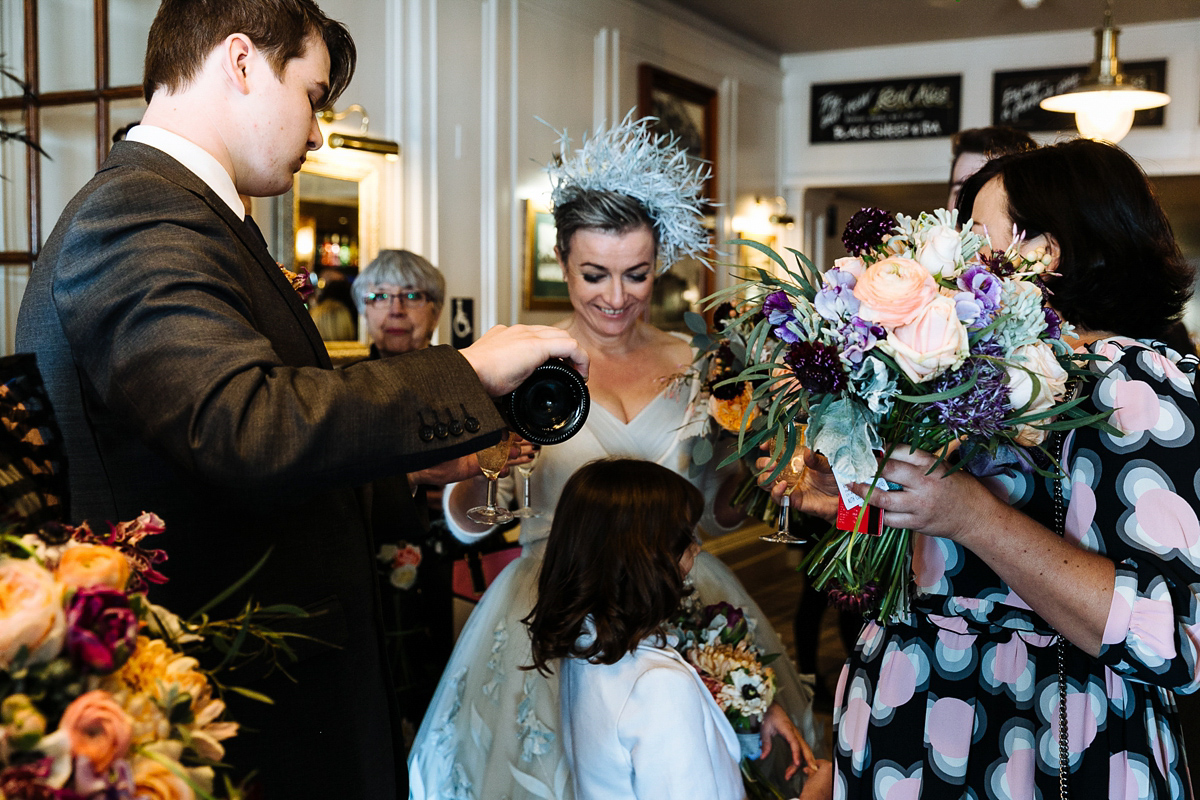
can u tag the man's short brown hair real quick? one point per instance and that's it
(184, 32)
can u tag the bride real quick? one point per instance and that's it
(623, 204)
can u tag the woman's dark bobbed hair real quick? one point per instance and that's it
(1120, 269)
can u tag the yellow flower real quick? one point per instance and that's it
(155, 669)
(728, 413)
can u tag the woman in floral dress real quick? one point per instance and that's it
(961, 697)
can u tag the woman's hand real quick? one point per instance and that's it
(776, 722)
(466, 467)
(819, 785)
(816, 492)
(931, 501)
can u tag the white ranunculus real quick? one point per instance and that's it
(939, 251)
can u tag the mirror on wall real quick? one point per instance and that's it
(331, 230)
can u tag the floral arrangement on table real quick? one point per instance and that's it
(100, 692)
(919, 337)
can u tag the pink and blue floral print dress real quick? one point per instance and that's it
(960, 697)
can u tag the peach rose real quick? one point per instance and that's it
(850, 264)
(98, 729)
(931, 344)
(893, 291)
(31, 613)
(85, 565)
(1039, 359)
(155, 781)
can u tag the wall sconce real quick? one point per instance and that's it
(361, 142)
(1104, 103)
(758, 221)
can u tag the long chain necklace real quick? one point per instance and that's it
(1064, 750)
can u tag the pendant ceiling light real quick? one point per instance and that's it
(1104, 103)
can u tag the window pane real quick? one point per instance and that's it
(69, 136)
(123, 112)
(14, 222)
(12, 44)
(13, 278)
(128, 24)
(66, 51)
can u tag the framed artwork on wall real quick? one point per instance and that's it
(685, 109)
(545, 289)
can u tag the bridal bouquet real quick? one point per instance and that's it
(916, 338)
(100, 694)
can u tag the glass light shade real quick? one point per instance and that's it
(1104, 124)
(1094, 97)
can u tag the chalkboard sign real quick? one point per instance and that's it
(899, 108)
(1016, 94)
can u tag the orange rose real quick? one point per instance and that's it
(86, 565)
(31, 613)
(893, 291)
(97, 728)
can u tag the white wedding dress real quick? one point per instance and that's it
(491, 730)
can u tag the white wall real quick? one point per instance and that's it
(460, 83)
(1173, 149)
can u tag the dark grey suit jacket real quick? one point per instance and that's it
(189, 380)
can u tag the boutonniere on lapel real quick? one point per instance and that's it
(300, 281)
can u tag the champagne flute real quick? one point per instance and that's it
(791, 475)
(525, 471)
(491, 462)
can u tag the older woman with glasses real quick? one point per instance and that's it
(400, 294)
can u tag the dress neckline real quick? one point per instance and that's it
(641, 411)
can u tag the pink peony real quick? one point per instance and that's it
(97, 729)
(932, 343)
(894, 291)
(31, 612)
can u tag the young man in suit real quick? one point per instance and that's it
(189, 380)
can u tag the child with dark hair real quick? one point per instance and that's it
(637, 720)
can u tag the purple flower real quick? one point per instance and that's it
(858, 336)
(979, 299)
(1053, 323)
(101, 629)
(817, 366)
(867, 230)
(778, 310)
(736, 626)
(980, 411)
(835, 302)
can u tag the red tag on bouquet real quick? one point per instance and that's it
(871, 522)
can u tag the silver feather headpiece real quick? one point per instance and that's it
(653, 169)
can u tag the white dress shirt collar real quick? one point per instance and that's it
(198, 160)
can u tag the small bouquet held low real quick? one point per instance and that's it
(101, 695)
(922, 336)
(718, 642)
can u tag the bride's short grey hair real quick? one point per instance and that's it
(610, 212)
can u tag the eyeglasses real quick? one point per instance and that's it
(407, 299)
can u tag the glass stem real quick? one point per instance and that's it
(525, 494)
(785, 515)
(491, 494)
